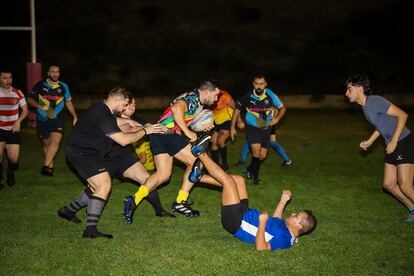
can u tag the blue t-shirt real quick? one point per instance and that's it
(259, 109)
(375, 110)
(276, 233)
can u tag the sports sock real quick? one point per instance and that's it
(80, 201)
(245, 151)
(223, 155)
(215, 155)
(154, 199)
(411, 210)
(139, 196)
(254, 166)
(244, 203)
(94, 211)
(13, 166)
(279, 149)
(182, 196)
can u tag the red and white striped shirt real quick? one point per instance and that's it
(9, 107)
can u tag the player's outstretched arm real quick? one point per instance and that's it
(260, 242)
(366, 144)
(286, 195)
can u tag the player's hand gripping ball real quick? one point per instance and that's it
(204, 121)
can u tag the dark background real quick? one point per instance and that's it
(166, 47)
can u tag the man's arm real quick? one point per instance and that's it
(401, 120)
(125, 139)
(279, 115)
(286, 195)
(23, 114)
(233, 131)
(178, 109)
(72, 111)
(367, 143)
(260, 242)
(35, 104)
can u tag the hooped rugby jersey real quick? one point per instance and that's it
(9, 107)
(53, 96)
(259, 108)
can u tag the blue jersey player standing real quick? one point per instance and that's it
(259, 105)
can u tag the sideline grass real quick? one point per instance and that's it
(359, 229)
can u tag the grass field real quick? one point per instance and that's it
(359, 230)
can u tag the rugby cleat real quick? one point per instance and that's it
(287, 163)
(196, 172)
(94, 233)
(129, 208)
(410, 218)
(47, 171)
(201, 145)
(184, 209)
(68, 215)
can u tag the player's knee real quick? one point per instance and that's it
(389, 185)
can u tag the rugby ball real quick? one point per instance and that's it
(204, 119)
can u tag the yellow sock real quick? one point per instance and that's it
(139, 196)
(182, 195)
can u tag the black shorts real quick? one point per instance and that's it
(10, 137)
(256, 135)
(231, 217)
(44, 128)
(167, 143)
(88, 165)
(403, 153)
(224, 126)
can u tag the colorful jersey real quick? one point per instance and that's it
(221, 109)
(53, 96)
(145, 147)
(375, 110)
(259, 109)
(276, 232)
(194, 106)
(9, 107)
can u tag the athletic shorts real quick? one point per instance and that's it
(167, 143)
(88, 165)
(10, 137)
(224, 126)
(403, 153)
(44, 128)
(231, 217)
(256, 135)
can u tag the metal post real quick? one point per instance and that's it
(33, 30)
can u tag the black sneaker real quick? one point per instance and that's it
(47, 171)
(184, 209)
(11, 180)
(165, 214)
(255, 181)
(201, 145)
(94, 233)
(68, 215)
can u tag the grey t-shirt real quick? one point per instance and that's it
(375, 111)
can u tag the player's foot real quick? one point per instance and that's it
(129, 208)
(165, 214)
(248, 174)
(201, 145)
(11, 180)
(93, 233)
(68, 215)
(255, 181)
(287, 163)
(410, 218)
(47, 171)
(184, 209)
(196, 172)
(225, 167)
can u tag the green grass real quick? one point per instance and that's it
(359, 230)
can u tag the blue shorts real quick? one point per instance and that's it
(44, 128)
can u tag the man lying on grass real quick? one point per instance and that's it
(249, 225)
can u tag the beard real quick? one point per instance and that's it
(258, 91)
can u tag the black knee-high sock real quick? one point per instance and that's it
(154, 199)
(80, 201)
(215, 155)
(223, 155)
(95, 208)
(254, 166)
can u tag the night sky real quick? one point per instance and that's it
(167, 47)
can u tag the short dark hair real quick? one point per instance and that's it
(360, 80)
(209, 85)
(259, 76)
(120, 91)
(308, 224)
(52, 65)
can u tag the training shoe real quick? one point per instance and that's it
(201, 145)
(11, 180)
(129, 208)
(184, 209)
(410, 218)
(255, 181)
(94, 233)
(165, 214)
(196, 172)
(68, 215)
(248, 174)
(287, 163)
(47, 171)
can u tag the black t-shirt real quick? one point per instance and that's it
(91, 133)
